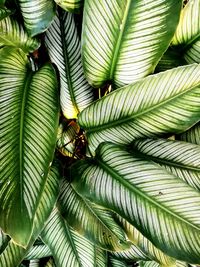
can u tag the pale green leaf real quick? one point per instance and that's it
(92, 221)
(122, 41)
(180, 158)
(63, 45)
(167, 102)
(116, 263)
(132, 254)
(192, 135)
(130, 185)
(67, 247)
(70, 5)
(38, 252)
(148, 264)
(34, 263)
(13, 34)
(37, 15)
(29, 119)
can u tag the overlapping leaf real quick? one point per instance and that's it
(131, 186)
(4, 12)
(13, 34)
(70, 5)
(37, 15)
(92, 221)
(167, 102)
(192, 135)
(180, 158)
(126, 42)
(67, 247)
(63, 45)
(116, 263)
(29, 119)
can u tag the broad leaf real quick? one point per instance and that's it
(132, 254)
(13, 34)
(122, 41)
(38, 251)
(67, 247)
(167, 102)
(29, 119)
(63, 45)
(192, 135)
(70, 5)
(145, 245)
(37, 15)
(92, 221)
(180, 158)
(131, 186)
(13, 254)
(187, 35)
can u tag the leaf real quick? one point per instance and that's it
(91, 221)
(63, 45)
(13, 34)
(187, 35)
(38, 15)
(145, 246)
(117, 263)
(130, 185)
(34, 263)
(180, 158)
(120, 45)
(148, 264)
(4, 12)
(192, 135)
(13, 254)
(167, 102)
(132, 254)
(4, 239)
(70, 5)
(38, 251)
(29, 119)
(67, 247)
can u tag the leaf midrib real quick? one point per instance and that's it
(27, 82)
(111, 124)
(133, 188)
(66, 59)
(119, 41)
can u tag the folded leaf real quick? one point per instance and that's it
(92, 221)
(29, 120)
(180, 158)
(63, 45)
(13, 34)
(37, 15)
(131, 185)
(167, 102)
(122, 41)
(67, 247)
(70, 5)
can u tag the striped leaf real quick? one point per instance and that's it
(70, 5)
(34, 263)
(67, 247)
(130, 185)
(38, 252)
(4, 12)
(167, 102)
(13, 254)
(180, 158)
(116, 263)
(37, 15)
(187, 35)
(122, 41)
(148, 264)
(92, 221)
(192, 135)
(13, 34)
(144, 245)
(29, 119)
(132, 254)
(63, 45)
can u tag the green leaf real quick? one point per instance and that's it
(192, 135)
(4, 239)
(116, 263)
(63, 45)
(167, 102)
(134, 253)
(4, 12)
(131, 185)
(148, 264)
(179, 158)
(38, 252)
(34, 263)
(38, 15)
(67, 247)
(144, 245)
(187, 35)
(13, 254)
(29, 119)
(122, 41)
(70, 5)
(92, 221)
(13, 34)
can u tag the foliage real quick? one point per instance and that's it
(100, 133)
